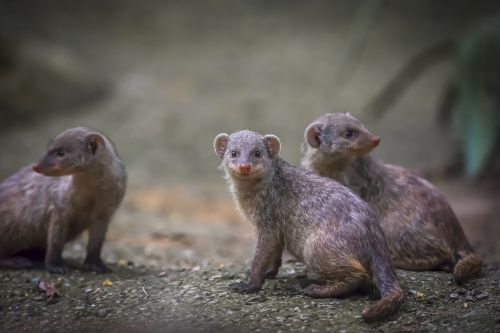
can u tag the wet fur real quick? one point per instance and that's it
(39, 214)
(319, 221)
(421, 227)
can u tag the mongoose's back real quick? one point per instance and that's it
(78, 183)
(319, 206)
(26, 199)
(420, 225)
(320, 221)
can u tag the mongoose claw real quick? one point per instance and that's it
(57, 268)
(313, 290)
(244, 288)
(98, 267)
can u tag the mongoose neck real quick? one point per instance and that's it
(364, 175)
(247, 192)
(107, 172)
(324, 164)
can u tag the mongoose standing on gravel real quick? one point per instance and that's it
(322, 223)
(421, 228)
(77, 185)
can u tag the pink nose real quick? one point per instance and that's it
(376, 141)
(36, 168)
(245, 168)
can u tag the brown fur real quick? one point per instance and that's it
(76, 186)
(421, 228)
(319, 221)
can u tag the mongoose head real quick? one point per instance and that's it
(247, 154)
(340, 134)
(74, 150)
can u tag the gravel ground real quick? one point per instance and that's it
(138, 299)
(174, 255)
(180, 72)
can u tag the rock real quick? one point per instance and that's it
(36, 280)
(453, 295)
(102, 312)
(482, 296)
(215, 277)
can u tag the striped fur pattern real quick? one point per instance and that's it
(321, 222)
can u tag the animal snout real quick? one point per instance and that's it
(376, 141)
(245, 168)
(36, 168)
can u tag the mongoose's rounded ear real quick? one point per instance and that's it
(220, 144)
(311, 135)
(93, 141)
(273, 144)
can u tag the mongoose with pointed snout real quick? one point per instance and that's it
(421, 228)
(321, 222)
(77, 185)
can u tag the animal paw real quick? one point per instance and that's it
(59, 268)
(244, 288)
(314, 290)
(97, 266)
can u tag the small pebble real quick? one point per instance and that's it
(102, 312)
(481, 296)
(35, 280)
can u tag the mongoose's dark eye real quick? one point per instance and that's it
(234, 153)
(60, 152)
(349, 133)
(257, 153)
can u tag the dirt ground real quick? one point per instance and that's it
(162, 78)
(175, 253)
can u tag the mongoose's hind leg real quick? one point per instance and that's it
(16, 262)
(333, 289)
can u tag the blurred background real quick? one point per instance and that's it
(162, 78)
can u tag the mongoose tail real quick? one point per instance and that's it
(384, 278)
(468, 267)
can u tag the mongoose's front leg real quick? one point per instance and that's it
(97, 234)
(268, 246)
(274, 267)
(56, 238)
